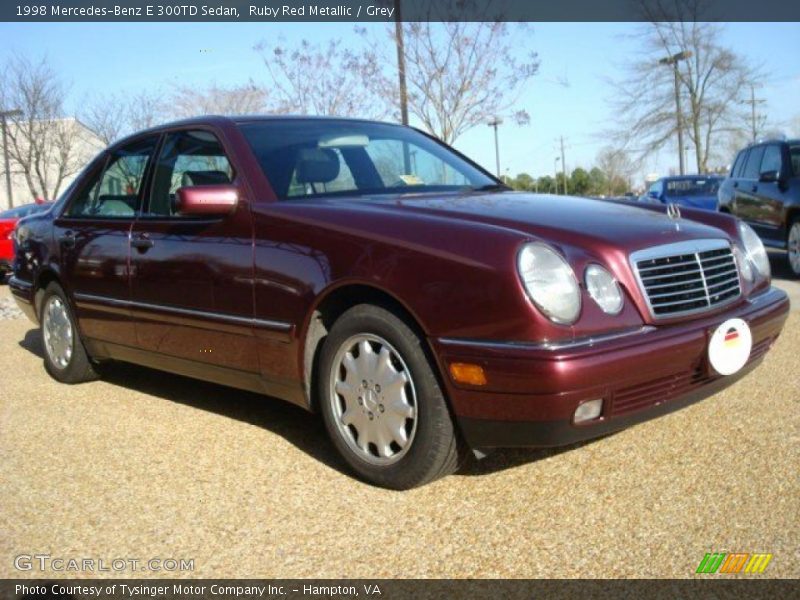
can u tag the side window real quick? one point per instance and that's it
(772, 159)
(753, 164)
(738, 163)
(115, 192)
(794, 154)
(188, 158)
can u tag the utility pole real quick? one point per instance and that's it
(555, 172)
(401, 77)
(673, 61)
(495, 123)
(563, 165)
(401, 63)
(755, 118)
(4, 115)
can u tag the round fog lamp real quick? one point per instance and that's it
(588, 411)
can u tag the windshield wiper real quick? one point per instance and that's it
(492, 187)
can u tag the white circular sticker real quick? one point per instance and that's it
(730, 346)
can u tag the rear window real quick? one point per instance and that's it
(706, 186)
(738, 163)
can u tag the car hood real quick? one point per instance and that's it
(563, 219)
(703, 202)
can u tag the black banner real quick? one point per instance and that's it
(391, 10)
(420, 589)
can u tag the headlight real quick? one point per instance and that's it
(754, 250)
(603, 289)
(550, 283)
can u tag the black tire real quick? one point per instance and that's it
(79, 368)
(435, 449)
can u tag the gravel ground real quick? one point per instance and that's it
(145, 464)
(8, 309)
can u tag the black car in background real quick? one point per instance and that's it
(763, 189)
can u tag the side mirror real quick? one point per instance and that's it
(769, 176)
(653, 194)
(207, 200)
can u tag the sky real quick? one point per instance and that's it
(569, 96)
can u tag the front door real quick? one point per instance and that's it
(192, 277)
(93, 236)
(771, 195)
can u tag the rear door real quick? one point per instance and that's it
(727, 187)
(192, 277)
(93, 235)
(748, 207)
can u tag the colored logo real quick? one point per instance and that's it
(737, 562)
(729, 346)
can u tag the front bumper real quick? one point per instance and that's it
(532, 390)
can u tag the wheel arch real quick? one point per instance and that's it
(44, 278)
(792, 215)
(331, 305)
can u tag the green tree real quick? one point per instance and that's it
(546, 185)
(598, 183)
(579, 182)
(523, 182)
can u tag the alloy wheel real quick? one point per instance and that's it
(58, 334)
(793, 246)
(373, 398)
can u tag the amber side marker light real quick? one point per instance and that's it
(468, 373)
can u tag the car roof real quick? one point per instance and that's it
(792, 141)
(221, 120)
(684, 177)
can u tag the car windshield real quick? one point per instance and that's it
(706, 186)
(313, 158)
(23, 211)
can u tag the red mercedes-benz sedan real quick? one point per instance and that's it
(369, 272)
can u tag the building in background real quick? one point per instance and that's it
(52, 152)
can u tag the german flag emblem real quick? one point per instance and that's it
(732, 338)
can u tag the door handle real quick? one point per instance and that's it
(142, 242)
(736, 184)
(755, 188)
(67, 239)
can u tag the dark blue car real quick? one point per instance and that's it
(696, 191)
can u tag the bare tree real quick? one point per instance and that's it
(616, 165)
(713, 82)
(117, 115)
(321, 79)
(247, 98)
(45, 148)
(459, 74)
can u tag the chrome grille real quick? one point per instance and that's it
(687, 277)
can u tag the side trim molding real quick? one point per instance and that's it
(280, 326)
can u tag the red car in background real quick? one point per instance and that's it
(8, 221)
